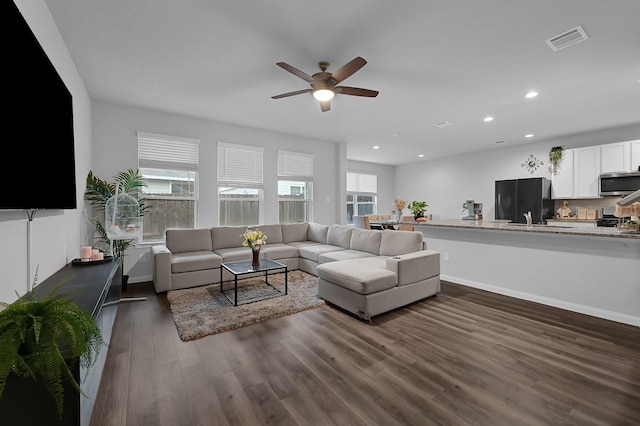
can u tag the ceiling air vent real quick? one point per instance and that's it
(443, 124)
(566, 39)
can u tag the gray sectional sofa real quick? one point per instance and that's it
(366, 272)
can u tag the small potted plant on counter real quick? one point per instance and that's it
(418, 208)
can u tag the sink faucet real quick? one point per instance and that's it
(527, 216)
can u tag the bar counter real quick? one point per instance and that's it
(499, 225)
(594, 271)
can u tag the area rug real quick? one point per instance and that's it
(202, 311)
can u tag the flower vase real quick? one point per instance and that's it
(255, 263)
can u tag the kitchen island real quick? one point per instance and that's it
(594, 271)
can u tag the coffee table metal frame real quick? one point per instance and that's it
(244, 267)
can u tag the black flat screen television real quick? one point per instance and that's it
(37, 124)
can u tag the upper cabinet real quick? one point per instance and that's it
(615, 157)
(635, 156)
(562, 183)
(578, 177)
(581, 168)
(586, 169)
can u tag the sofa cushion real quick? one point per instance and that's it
(294, 232)
(227, 236)
(317, 232)
(364, 276)
(340, 235)
(312, 251)
(273, 233)
(278, 251)
(183, 240)
(234, 254)
(366, 240)
(395, 243)
(333, 256)
(194, 261)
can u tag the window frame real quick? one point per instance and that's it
(174, 154)
(296, 168)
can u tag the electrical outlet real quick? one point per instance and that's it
(445, 256)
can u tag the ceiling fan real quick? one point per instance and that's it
(324, 84)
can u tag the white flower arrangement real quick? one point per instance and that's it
(254, 238)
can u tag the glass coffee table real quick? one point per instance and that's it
(244, 267)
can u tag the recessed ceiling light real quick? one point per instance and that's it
(376, 147)
(420, 155)
(487, 119)
(528, 136)
(531, 95)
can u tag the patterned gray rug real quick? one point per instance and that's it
(202, 311)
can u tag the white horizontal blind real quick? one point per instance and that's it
(167, 152)
(362, 183)
(295, 166)
(240, 166)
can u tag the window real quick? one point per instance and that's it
(295, 186)
(240, 184)
(169, 166)
(361, 194)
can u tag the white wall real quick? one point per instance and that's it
(446, 183)
(116, 144)
(56, 235)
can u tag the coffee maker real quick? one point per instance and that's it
(471, 210)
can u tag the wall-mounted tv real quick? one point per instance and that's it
(37, 125)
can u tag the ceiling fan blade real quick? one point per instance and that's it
(356, 91)
(295, 71)
(325, 106)
(348, 69)
(297, 92)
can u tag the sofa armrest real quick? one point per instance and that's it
(416, 266)
(161, 258)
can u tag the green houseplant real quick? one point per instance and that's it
(417, 208)
(98, 191)
(556, 155)
(39, 338)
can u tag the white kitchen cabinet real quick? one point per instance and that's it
(635, 156)
(562, 183)
(615, 157)
(586, 170)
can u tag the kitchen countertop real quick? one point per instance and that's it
(499, 225)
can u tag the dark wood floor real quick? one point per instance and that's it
(465, 357)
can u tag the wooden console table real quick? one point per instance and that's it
(25, 403)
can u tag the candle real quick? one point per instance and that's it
(85, 253)
(95, 253)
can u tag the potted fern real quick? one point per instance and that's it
(98, 192)
(41, 339)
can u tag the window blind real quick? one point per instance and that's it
(167, 152)
(240, 165)
(295, 166)
(362, 183)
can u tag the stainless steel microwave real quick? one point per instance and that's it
(619, 183)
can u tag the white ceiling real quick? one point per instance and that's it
(432, 61)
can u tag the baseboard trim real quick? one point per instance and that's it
(574, 307)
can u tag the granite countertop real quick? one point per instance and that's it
(501, 225)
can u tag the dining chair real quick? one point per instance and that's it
(374, 218)
(405, 226)
(361, 222)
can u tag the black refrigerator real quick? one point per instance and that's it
(515, 197)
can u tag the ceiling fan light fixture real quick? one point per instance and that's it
(323, 94)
